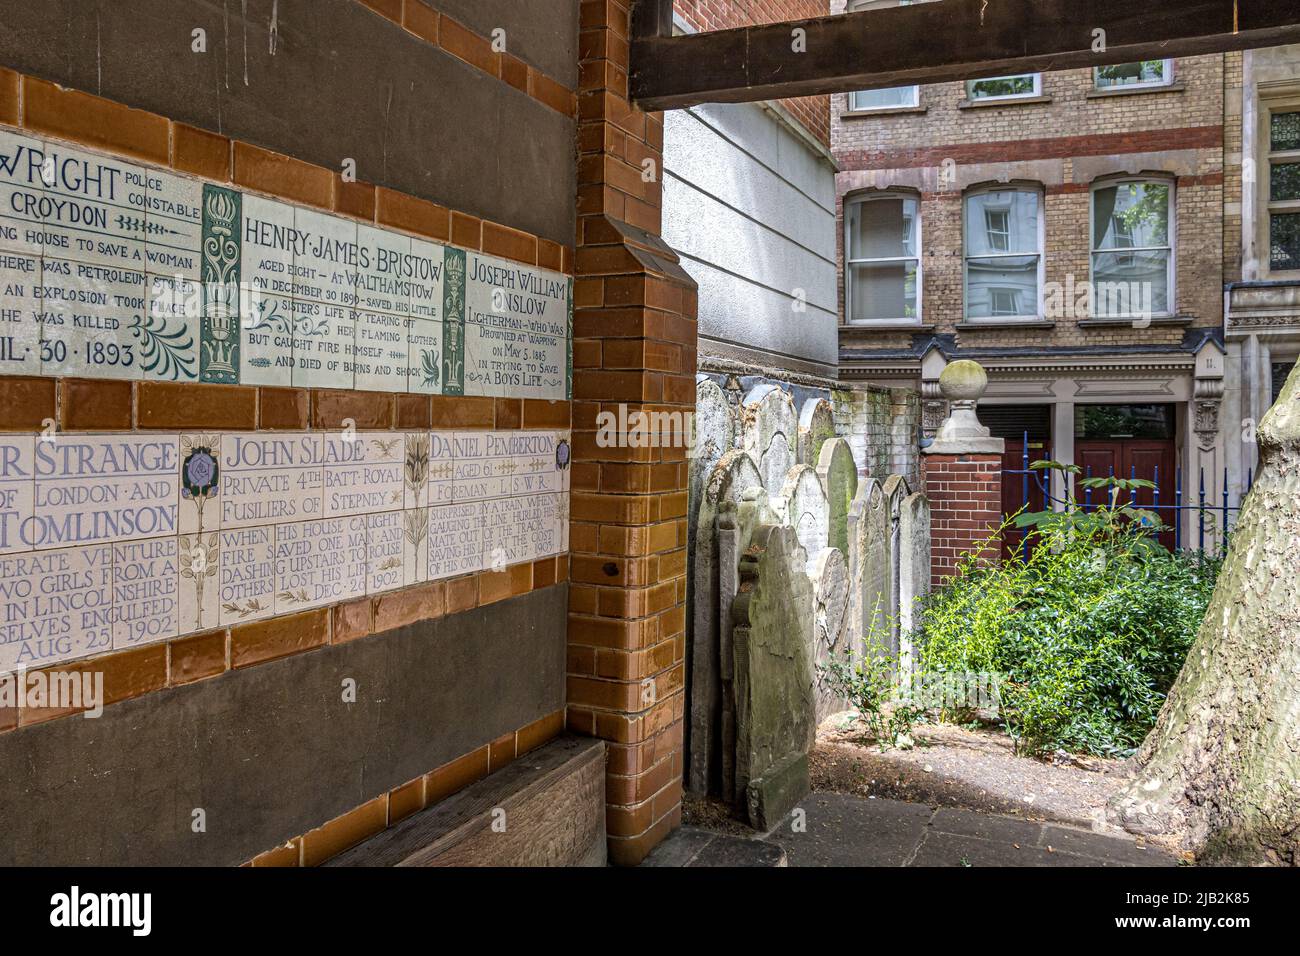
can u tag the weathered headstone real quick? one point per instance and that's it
(769, 429)
(734, 474)
(775, 698)
(839, 474)
(876, 573)
(816, 427)
(803, 507)
(895, 490)
(913, 571)
(830, 576)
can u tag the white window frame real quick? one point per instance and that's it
(865, 197)
(1171, 266)
(1166, 80)
(1274, 207)
(966, 257)
(855, 6)
(1035, 92)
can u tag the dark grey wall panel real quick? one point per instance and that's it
(541, 32)
(272, 751)
(334, 81)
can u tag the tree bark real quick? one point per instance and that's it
(1220, 771)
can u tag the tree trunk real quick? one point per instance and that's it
(1221, 768)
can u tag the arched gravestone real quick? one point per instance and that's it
(734, 474)
(895, 490)
(839, 474)
(768, 430)
(830, 577)
(775, 705)
(803, 507)
(914, 570)
(816, 427)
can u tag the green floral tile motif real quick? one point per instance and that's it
(221, 254)
(453, 324)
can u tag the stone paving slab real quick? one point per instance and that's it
(836, 829)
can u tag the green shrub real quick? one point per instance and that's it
(1088, 632)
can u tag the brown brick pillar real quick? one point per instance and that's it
(965, 493)
(634, 353)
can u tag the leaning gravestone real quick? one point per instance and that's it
(775, 697)
(816, 427)
(803, 507)
(839, 475)
(769, 429)
(913, 571)
(830, 576)
(734, 474)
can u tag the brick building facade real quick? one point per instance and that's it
(1023, 198)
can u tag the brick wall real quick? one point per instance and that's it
(965, 493)
(812, 111)
(1062, 145)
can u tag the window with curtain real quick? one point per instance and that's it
(1132, 248)
(1134, 75)
(1284, 191)
(891, 98)
(1004, 87)
(1004, 253)
(882, 265)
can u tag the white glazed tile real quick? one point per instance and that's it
(381, 350)
(424, 365)
(93, 489)
(146, 591)
(415, 544)
(325, 258)
(93, 208)
(246, 579)
(444, 448)
(268, 242)
(363, 474)
(20, 312)
(17, 490)
(269, 478)
(199, 561)
(21, 227)
(455, 540)
(516, 329)
(383, 257)
(167, 336)
(324, 339)
(319, 562)
(174, 226)
(424, 275)
(90, 312)
(389, 565)
(57, 606)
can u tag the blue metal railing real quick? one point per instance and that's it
(1202, 508)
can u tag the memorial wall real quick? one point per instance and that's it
(270, 431)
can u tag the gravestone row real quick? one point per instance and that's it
(795, 560)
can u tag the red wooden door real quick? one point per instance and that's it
(1151, 459)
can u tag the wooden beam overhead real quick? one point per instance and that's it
(941, 42)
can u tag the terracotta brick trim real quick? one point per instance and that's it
(374, 816)
(452, 36)
(133, 673)
(46, 109)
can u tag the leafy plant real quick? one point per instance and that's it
(1089, 630)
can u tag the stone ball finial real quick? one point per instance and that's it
(963, 381)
